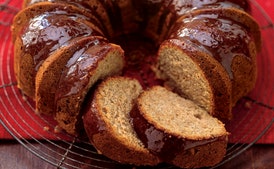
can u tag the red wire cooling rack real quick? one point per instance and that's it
(254, 114)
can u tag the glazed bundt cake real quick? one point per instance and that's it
(206, 53)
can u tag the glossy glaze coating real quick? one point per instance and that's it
(79, 68)
(222, 37)
(166, 11)
(88, 6)
(47, 32)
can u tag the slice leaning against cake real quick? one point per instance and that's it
(49, 73)
(93, 61)
(177, 130)
(108, 123)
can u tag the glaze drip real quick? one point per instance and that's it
(51, 31)
(221, 37)
(77, 70)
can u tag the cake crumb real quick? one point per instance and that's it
(248, 104)
(37, 112)
(57, 129)
(46, 128)
(24, 97)
(192, 151)
(99, 152)
(168, 86)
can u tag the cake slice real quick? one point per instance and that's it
(108, 123)
(49, 73)
(94, 61)
(210, 58)
(195, 75)
(177, 130)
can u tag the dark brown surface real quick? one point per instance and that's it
(13, 156)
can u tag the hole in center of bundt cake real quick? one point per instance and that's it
(140, 54)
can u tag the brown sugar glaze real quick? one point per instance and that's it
(217, 35)
(51, 31)
(76, 73)
(43, 29)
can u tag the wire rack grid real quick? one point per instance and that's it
(17, 114)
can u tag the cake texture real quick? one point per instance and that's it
(226, 40)
(82, 71)
(205, 52)
(108, 122)
(177, 130)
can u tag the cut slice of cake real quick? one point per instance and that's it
(177, 130)
(94, 61)
(210, 58)
(49, 73)
(108, 123)
(195, 75)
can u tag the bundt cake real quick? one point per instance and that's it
(177, 130)
(206, 53)
(108, 123)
